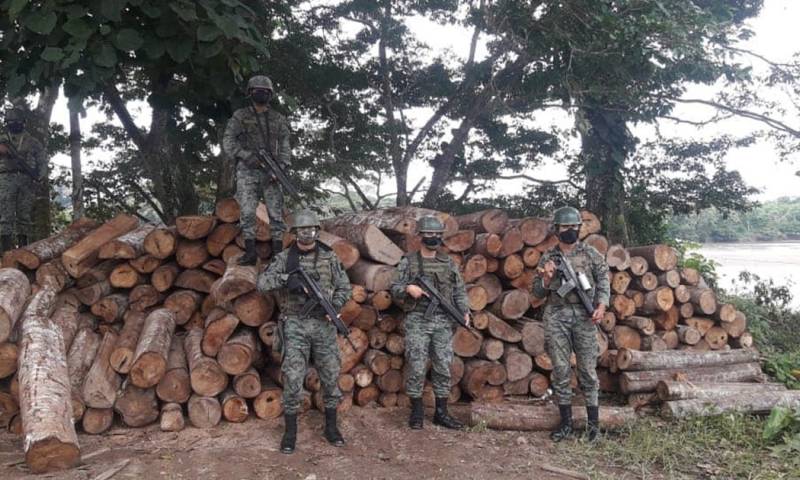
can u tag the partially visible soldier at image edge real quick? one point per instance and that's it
(250, 129)
(22, 164)
(429, 336)
(304, 332)
(568, 326)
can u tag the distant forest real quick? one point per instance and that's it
(770, 221)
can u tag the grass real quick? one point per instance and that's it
(722, 447)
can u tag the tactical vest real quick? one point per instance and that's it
(260, 130)
(319, 266)
(581, 261)
(22, 145)
(437, 269)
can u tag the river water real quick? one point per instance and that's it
(779, 261)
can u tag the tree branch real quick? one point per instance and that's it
(113, 98)
(772, 122)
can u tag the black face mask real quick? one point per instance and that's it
(431, 242)
(15, 127)
(261, 97)
(569, 236)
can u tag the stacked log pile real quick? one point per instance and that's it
(161, 322)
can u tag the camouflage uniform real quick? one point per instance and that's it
(567, 325)
(311, 334)
(17, 189)
(246, 133)
(429, 336)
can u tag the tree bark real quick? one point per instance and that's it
(522, 417)
(14, 291)
(647, 380)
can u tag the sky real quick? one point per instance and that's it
(758, 164)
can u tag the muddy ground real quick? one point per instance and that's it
(379, 445)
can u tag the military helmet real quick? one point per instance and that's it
(567, 216)
(430, 224)
(305, 218)
(15, 114)
(259, 81)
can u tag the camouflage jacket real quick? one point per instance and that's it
(30, 151)
(321, 264)
(248, 131)
(584, 258)
(444, 273)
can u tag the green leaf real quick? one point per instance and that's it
(41, 23)
(106, 56)
(75, 11)
(153, 47)
(180, 50)
(15, 84)
(152, 11)
(112, 9)
(779, 419)
(185, 10)
(78, 27)
(52, 54)
(16, 6)
(209, 50)
(207, 33)
(128, 39)
(105, 29)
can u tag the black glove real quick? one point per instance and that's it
(295, 284)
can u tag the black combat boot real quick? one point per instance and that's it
(22, 240)
(6, 243)
(277, 246)
(592, 422)
(332, 434)
(565, 429)
(289, 434)
(417, 414)
(249, 257)
(440, 417)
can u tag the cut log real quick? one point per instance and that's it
(460, 241)
(530, 257)
(164, 276)
(172, 418)
(645, 283)
(93, 293)
(533, 338)
(487, 244)
(377, 338)
(666, 320)
(643, 324)
(485, 221)
(253, 308)
(660, 257)
(502, 330)
(465, 344)
(367, 318)
(659, 300)
(737, 327)
(635, 360)
(14, 291)
(492, 265)
(219, 327)
(598, 242)
(122, 355)
(702, 324)
(480, 376)
(682, 294)
(751, 403)
(521, 417)
(686, 310)
(491, 349)
(247, 384)
(143, 297)
(111, 308)
(366, 395)
(349, 358)
(716, 337)
(512, 242)
(183, 304)
(67, 318)
(391, 381)
(362, 375)
(492, 285)
(195, 227)
(191, 253)
(102, 382)
(32, 256)
(220, 238)
(394, 220)
(207, 377)
(267, 332)
(79, 360)
(623, 306)
(371, 243)
(234, 407)
(511, 304)
(150, 359)
(625, 337)
(725, 313)
(50, 441)
(128, 246)
(197, 280)
(511, 267)
(703, 300)
(608, 322)
(617, 257)
(161, 242)
(745, 340)
(373, 276)
(381, 300)
(54, 275)
(268, 404)
(639, 266)
(97, 420)
(518, 364)
(690, 276)
(346, 382)
(237, 354)
(345, 251)
(620, 282)
(227, 210)
(96, 274)
(636, 296)
(669, 390)
(145, 264)
(204, 412)
(670, 278)
(688, 335)
(480, 320)
(590, 224)
(377, 361)
(477, 298)
(80, 257)
(175, 385)
(670, 338)
(647, 380)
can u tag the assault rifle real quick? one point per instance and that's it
(268, 163)
(571, 282)
(437, 300)
(318, 298)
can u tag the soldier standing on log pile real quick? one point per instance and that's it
(568, 325)
(21, 166)
(304, 329)
(249, 130)
(429, 334)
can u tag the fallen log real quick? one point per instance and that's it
(647, 380)
(102, 382)
(128, 246)
(758, 402)
(636, 360)
(541, 417)
(32, 256)
(669, 390)
(150, 359)
(14, 291)
(206, 376)
(82, 256)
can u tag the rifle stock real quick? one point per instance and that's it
(315, 290)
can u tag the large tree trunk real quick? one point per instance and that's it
(75, 157)
(14, 291)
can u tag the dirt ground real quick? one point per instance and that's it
(379, 446)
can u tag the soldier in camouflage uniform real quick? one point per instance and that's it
(568, 327)
(22, 165)
(431, 335)
(249, 130)
(304, 328)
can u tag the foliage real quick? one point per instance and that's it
(725, 446)
(783, 428)
(687, 257)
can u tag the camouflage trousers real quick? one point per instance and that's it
(305, 338)
(428, 338)
(253, 185)
(17, 195)
(568, 328)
